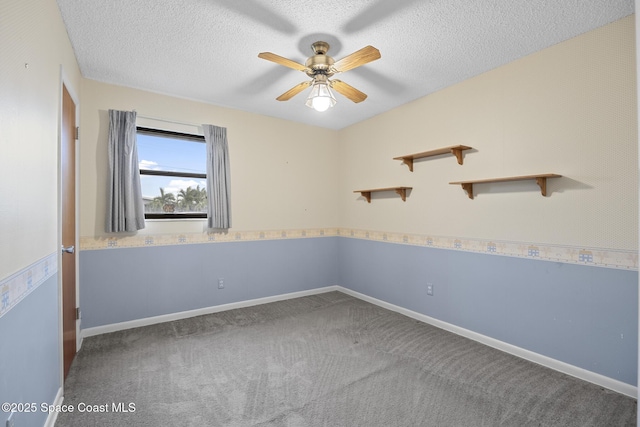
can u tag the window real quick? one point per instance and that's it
(173, 174)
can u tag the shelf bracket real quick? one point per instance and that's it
(403, 193)
(366, 195)
(409, 162)
(468, 187)
(456, 151)
(542, 183)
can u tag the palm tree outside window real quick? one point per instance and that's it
(172, 174)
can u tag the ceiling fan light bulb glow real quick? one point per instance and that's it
(320, 98)
(321, 104)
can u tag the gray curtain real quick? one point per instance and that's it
(218, 182)
(125, 207)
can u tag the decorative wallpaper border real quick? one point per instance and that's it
(599, 257)
(140, 240)
(16, 287)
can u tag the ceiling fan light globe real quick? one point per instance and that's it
(320, 98)
(321, 104)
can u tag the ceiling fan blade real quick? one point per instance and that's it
(281, 60)
(294, 91)
(363, 56)
(348, 91)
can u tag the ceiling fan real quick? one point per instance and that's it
(320, 67)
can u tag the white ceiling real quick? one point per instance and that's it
(207, 50)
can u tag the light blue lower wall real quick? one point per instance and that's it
(124, 284)
(582, 315)
(30, 353)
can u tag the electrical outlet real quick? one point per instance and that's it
(220, 283)
(430, 289)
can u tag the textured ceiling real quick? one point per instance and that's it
(207, 50)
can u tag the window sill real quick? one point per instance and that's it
(175, 219)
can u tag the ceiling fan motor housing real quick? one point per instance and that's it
(320, 63)
(320, 48)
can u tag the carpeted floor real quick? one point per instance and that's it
(322, 360)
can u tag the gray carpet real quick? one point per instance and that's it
(322, 360)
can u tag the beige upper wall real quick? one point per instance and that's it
(31, 32)
(283, 174)
(569, 109)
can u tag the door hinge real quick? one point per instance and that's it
(77, 133)
(78, 313)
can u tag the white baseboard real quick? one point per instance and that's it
(531, 356)
(53, 415)
(574, 371)
(98, 330)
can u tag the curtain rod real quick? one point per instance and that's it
(167, 120)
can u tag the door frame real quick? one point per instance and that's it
(65, 82)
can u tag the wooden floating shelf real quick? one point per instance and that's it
(456, 150)
(541, 180)
(402, 191)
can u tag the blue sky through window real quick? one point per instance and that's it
(170, 154)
